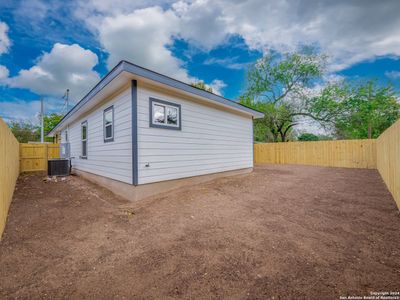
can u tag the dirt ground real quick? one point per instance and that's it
(281, 232)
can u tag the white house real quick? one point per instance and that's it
(138, 133)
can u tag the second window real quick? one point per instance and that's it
(165, 114)
(108, 124)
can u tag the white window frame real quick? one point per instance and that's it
(108, 139)
(165, 105)
(84, 124)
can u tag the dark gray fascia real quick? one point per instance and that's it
(157, 77)
(93, 92)
(146, 73)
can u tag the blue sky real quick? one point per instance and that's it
(49, 46)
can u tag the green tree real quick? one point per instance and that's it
(275, 124)
(202, 85)
(25, 131)
(278, 85)
(308, 137)
(369, 111)
(50, 121)
(357, 111)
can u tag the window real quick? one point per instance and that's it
(165, 114)
(84, 134)
(108, 124)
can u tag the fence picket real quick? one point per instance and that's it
(346, 153)
(34, 157)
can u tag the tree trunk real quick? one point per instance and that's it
(369, 100)
(283, 136)
(369, 131)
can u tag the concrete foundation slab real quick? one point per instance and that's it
(135, 193)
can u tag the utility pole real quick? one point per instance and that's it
(41, 121)
(66, 102)
(67, 99)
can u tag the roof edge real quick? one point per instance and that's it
(97, 88)
(129, 67)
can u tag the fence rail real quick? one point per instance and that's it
(9, 170)
(345, 154)
(33, 157)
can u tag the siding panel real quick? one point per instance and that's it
(211, 140)
(113, 159)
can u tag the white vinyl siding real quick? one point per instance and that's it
(112, 160)
(64, 136)
(211, 140)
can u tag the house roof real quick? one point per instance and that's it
(128, 67)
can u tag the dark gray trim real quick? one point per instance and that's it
(93, 92)
(178, 106)
(86, 140)
(148, 74)
(135, 156)
(108, 140)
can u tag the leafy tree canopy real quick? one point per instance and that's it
(29, 132)
(25, 131)
(278, 85)
(308, 137)
(357, 111)
(202, 85)
(286, 88)
(50, 121)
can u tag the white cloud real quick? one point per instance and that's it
(3, 72)
(228, 62)
(392, 74)
(27, 110)
(20, 110)
(217, 86)
(65, 66)
(142, 37)
(311, 126)
(5, 42)
(34, 10)
(90, 8)
(201, 22)
(350, 31)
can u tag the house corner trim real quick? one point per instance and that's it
(135, 157)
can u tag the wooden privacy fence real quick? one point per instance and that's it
(346, 153)
(388, 159)
(9, 170)
(33, 157)
(382, 154)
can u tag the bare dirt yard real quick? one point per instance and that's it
(281, 232)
